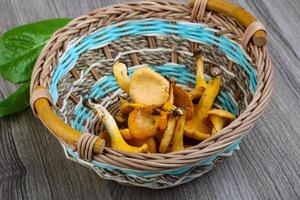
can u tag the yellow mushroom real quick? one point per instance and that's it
(197, 135)
(196, 93)
(169, 105)
(146, 122)
(200, 80)
(104, 135)
(126, 134)
(126, 107)
(169, 131)
(197, 126)
(150, 142)
(219, 118)
(120, 118)
(183, 100)
(121, 76)
(167, 135)
(177, 142)
(117, 141)
(152, 145)
(148, 87)
(201, 83)
(171, 92)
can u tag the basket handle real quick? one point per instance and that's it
(41, 105)
(232, 10)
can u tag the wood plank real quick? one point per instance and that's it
(33, 166)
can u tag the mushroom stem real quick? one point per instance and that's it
(167, 135)
(196, 93)
(173, 110)
(151, 145)
(126, 134)
(104, 135)
(196, 135)
(126, 107)
(200, 80)
(117, 141)
(198, 124)
(171, 92)
(169, 105)
(177, 142)
(121, 76)
(150, 142)
(218, 123)
(183, 100)
(219, 118)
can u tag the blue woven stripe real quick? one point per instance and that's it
(204, 163)
(190, 31)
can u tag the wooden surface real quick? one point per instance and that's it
(33, 166)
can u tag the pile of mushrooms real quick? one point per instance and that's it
(161, 114)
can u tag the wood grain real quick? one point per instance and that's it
(33, 166)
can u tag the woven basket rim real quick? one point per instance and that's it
(213, 144)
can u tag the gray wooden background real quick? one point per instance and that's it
(33, 166)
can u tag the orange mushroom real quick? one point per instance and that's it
(167, 135)
(116, 139)
(126, 107)
(200, 80)
(150, 142)
(146, 122)
(197, 127)
(121, 76)
(177, 142)
(219, 118)
(183, 99)
(148, 87)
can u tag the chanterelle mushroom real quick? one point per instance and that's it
(117, 141)
(169, 105)
(196, 93)
(219, 118)
(177, 142)
(197, 125)
(146, 122)
(121, 76)
(183, 99)
(167, 135)
(148, 87)
(152, 147)
(200, 81)
(169, 131)
(126, 107)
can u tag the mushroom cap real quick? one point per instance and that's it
(148, 87)
(221, 113)
(144, 123)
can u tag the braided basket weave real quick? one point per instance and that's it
(164, 35)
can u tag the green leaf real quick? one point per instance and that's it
(21, 46)
(16, 102)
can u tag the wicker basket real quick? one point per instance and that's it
(163, 34)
